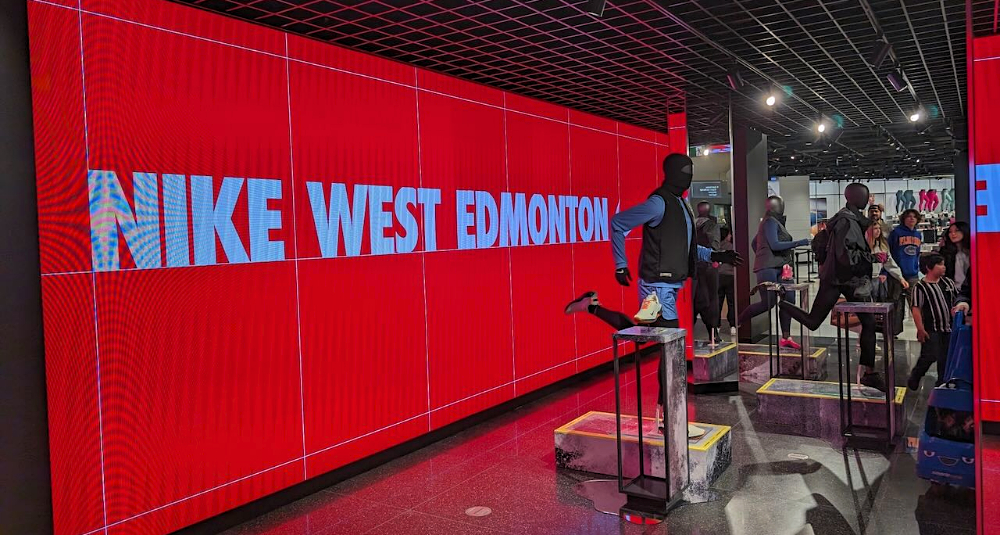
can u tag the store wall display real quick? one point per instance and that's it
(984, 90)
(264, 257)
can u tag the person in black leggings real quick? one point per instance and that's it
(846, 270)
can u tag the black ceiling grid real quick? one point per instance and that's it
(644, 56)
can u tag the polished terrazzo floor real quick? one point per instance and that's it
(507, 465)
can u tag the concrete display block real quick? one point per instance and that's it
(812, 408)
(713, 362)
(754, 367)
(588, 444)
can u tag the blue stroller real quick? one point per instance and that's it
(947, 451)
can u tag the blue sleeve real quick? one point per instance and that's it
(650, 212)
(894, 245)
(704, 254)
(771, 232)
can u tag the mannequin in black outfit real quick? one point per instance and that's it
(847, 271)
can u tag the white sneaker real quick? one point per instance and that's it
(732, 331)
(650, 309)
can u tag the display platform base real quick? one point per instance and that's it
(588, 444)
(713, 362)
(812, 408)
(754, 367)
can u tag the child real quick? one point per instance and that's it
(933, 299)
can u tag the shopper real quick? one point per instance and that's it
(889, 283)
(727, 282)
(956, 252)
(667, 258)
(772, 251)
(904, 245)
(933, 300)
(846, 269)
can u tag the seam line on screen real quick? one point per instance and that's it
(423, 257)
(316, 258)
(348, 441)
(572, 249)
(447, 405)
(203, 492)
(991, 58)
(510, 262)
(93, 277)
(295, 259)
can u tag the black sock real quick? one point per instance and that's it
(591, 308)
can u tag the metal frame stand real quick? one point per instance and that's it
(649, 495)
(774, 318)
(843, 310)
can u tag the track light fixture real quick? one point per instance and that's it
(770, 100)
(821, 127)
(915, 116)
(880, 50)
(596, 7)
(735, 78)
(896, 79)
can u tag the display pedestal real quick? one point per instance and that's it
(714, 368)
(812, 408)
(850, 427)
(588, 444)
(754, 366)
(651, 495)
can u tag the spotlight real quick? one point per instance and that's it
(895, 78)
(880, 50)
(770, 100)
(821, 127)
(915, 116)
(918, 160)
(706, 152)
(596, 7)
(793, 156)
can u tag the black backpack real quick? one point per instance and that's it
(820, 244)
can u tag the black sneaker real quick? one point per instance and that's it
(873, 380)
(582, 303)
(913, 383)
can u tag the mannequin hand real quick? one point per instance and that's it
(906, 285)
(881, 256)
(727, 257)
(623, 276)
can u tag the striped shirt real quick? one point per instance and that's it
(935, 300)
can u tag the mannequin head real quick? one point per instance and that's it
(677, 173)
(704, 209)
(774, 206)
(856, 195)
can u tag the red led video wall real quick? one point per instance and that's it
(984, 92)
(264, 257)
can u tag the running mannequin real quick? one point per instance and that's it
(773, 249)
(706, 283)
(847, 271)
(668, 257)
(923, 201)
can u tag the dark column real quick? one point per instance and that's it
(24, 450)
(962, 187)
(749, 153)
